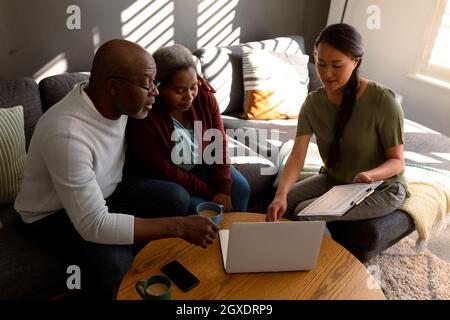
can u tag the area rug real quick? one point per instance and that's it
(405, 275)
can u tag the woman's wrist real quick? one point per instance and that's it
(281, 193)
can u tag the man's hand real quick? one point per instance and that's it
(198, 230)
(277, 208)
(224, 200)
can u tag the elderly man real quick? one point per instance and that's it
(72, 181)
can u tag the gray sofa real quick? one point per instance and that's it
(29, 271)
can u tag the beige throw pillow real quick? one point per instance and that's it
(275, 84)
(12, 152)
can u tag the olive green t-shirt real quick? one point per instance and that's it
(376, 124)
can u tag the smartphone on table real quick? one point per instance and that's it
(179, 275)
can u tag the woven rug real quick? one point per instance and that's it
(404, 275)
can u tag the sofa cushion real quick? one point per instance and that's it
(275, 84)
(258, 171)
(12, 152)
(24, 92)
(311, 167)
(217, 69)
(262, 140)
(217, 63)
(366, 238)
(55, 88)
(265, 137)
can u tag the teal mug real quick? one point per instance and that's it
(211, 210)
(155, 288)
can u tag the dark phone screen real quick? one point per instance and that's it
(182, 277)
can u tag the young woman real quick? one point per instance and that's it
(358, 125)
(171, 151)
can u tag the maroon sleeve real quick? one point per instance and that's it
(220, 174)
(149, 151)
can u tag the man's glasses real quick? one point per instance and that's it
(151, 88)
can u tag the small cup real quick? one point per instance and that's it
(155, 288)
(211, 210)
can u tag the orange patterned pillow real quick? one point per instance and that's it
(275, 84)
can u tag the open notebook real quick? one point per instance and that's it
(340, 199)
(271, 246)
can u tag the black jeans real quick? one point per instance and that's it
(102, 266)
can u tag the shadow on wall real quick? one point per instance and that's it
(149, 23)
(38, 42)
(43, 43)
(215, 23)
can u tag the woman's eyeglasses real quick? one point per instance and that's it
(151, 88)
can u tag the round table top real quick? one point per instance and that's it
(338, 274)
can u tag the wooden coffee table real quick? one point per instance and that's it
(338, 275)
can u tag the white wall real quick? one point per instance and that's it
(33, 32)
(392, 54)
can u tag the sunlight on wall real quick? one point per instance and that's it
(96, 39)
(215, 23)
(150, 23)
(441, 50)
(215, 29)
(57, 65)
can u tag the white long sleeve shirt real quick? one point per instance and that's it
(75, 161)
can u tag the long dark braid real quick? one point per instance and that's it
(344, 114)
(346, 39)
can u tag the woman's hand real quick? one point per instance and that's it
(394, 164)
(363, 177)
(277, 208)
(224, 200)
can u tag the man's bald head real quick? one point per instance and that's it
(119, 57)
(122, 80)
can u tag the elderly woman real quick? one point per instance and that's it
(171, 154)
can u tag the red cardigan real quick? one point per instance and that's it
(149, 147)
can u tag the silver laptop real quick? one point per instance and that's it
(271, 246)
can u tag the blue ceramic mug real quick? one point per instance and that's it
(211, 210)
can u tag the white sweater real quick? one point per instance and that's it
(75, 161)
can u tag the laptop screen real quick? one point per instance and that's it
(271, 246)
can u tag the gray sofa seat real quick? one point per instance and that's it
(27, 269)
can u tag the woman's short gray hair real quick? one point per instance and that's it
(169, 60)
